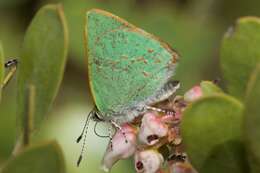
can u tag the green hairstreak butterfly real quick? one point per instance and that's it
(129, 69)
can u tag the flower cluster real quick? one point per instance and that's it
(154, 140)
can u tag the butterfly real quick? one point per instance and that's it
(129, 70)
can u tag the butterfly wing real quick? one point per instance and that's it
(126, 64)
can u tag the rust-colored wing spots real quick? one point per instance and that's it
(124, 57)
(132, 61)
(113, 64)
(126, 69)
(141, 59)
(145, 74)
(97, 62)
(150, 50)
(157, 61)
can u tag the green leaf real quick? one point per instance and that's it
(211, 129)
(42, 62)
(209, 88)
(1, 68)
(240, 53)
(40, 158)
(252, 120)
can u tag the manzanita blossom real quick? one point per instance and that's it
(193, 94)
(148, 161)
(122, 146)
(152, 128)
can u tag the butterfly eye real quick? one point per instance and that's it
(96, 116)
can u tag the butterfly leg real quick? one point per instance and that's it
(165, 111)
(12, 65)
(118, 127)
(110, 137)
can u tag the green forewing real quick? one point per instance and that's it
(126, 64)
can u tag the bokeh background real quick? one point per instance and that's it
(194, 28)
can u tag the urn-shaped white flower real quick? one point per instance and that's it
(152, 128)
(122, 146)
(148, 161)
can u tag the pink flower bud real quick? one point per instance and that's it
(182, 167)
(152, 128)
(148, 161)
(193, 94)
(123, 146)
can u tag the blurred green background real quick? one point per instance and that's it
(192, 27)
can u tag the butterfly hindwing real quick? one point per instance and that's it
(126, 64)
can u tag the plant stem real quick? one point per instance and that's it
(29, 118)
